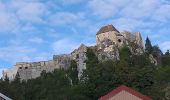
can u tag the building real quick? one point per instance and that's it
(108, 37)
(3, 97)
(108, 42)
(124, 93)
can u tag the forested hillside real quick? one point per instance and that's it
(99, 78)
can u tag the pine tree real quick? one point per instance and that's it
(148, 46)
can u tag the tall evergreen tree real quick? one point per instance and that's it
(157, 54)
(148, 46)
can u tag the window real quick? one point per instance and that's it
(26, 67)
(119, 40)
(20, 67)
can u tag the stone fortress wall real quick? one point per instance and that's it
(30, 70)
(108, 41)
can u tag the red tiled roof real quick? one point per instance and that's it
(107, 29)
(127, 89)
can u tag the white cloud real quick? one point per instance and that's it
(69, 18)
(14, 12)
(162, 13)
(64, 46)
(140, 9)
(32, 12)
(165, 45)
(103, 8)
(66, 18)
(126, 24)
(36, 40)
(15, 53)
(62, 18)
(8, 20)
(71, 1)
(130, 9)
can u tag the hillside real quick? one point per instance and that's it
(99, 78)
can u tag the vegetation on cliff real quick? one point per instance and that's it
(99, 78)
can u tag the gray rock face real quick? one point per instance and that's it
(79, 55)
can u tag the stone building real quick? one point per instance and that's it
(108, 42)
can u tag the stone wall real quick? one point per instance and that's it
(30, 70)
(34, 69)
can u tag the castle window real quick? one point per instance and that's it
(20, 67)
(119, 40)
(26, 67)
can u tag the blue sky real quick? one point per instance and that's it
(33, 30)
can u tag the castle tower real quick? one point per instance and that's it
(109, 33)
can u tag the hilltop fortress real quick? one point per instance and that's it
(108, 41)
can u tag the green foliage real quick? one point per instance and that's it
(166, 59)
(99, 78)
(73, 73)
(125, 53)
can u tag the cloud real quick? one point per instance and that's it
(32, 12)
(14, 13)
(165, 45)
(140, 9)
(71, 2)
(63, 18)
(162, 13)
(130, 9)
(64, 46)
(68, 18)
(103, 8)
(8, 20)
(36, 40)
(15, 53)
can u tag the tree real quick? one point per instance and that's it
(167, 53)
(73, 72)
(157, 54)
(148, 46)
(166, 59)
(125, 53)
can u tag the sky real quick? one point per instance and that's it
(35, 30)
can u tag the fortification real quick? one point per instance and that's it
(108, 41)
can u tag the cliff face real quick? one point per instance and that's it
(108, 42)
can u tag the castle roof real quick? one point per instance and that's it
(107, 29)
